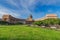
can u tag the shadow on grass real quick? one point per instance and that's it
(13, 39)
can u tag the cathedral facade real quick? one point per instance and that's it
(11, 19)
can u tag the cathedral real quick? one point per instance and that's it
(11, 19)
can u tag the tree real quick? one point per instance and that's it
(48, 22)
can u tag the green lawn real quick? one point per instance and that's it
(22, 32)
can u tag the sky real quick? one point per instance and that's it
(23, 8)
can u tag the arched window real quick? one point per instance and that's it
(5, 19)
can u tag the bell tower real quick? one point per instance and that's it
(29, 19)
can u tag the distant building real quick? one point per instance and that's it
(48, 16)
(11, 19)
(51, 16)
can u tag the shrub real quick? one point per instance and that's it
(4, 23)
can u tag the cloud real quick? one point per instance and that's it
(24, 4)
(4, 10)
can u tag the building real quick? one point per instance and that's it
(11, 19)
(51, 16)
(48, 16)
(29, 20)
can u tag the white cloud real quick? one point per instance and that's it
(23, 3)
(4, 10)
(27, 3)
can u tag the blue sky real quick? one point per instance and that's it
(23, 8)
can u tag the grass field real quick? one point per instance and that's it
(22, 32)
